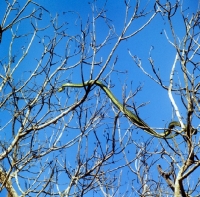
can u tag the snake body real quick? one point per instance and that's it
(136, 120)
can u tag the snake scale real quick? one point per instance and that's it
(136, 120)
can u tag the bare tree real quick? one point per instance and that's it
(181, 154)
(77, 142)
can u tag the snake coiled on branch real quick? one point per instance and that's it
(135, 119)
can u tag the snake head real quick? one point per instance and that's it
(60, 89)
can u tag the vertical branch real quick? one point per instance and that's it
(170, 93)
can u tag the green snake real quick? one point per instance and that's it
(135, 119)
